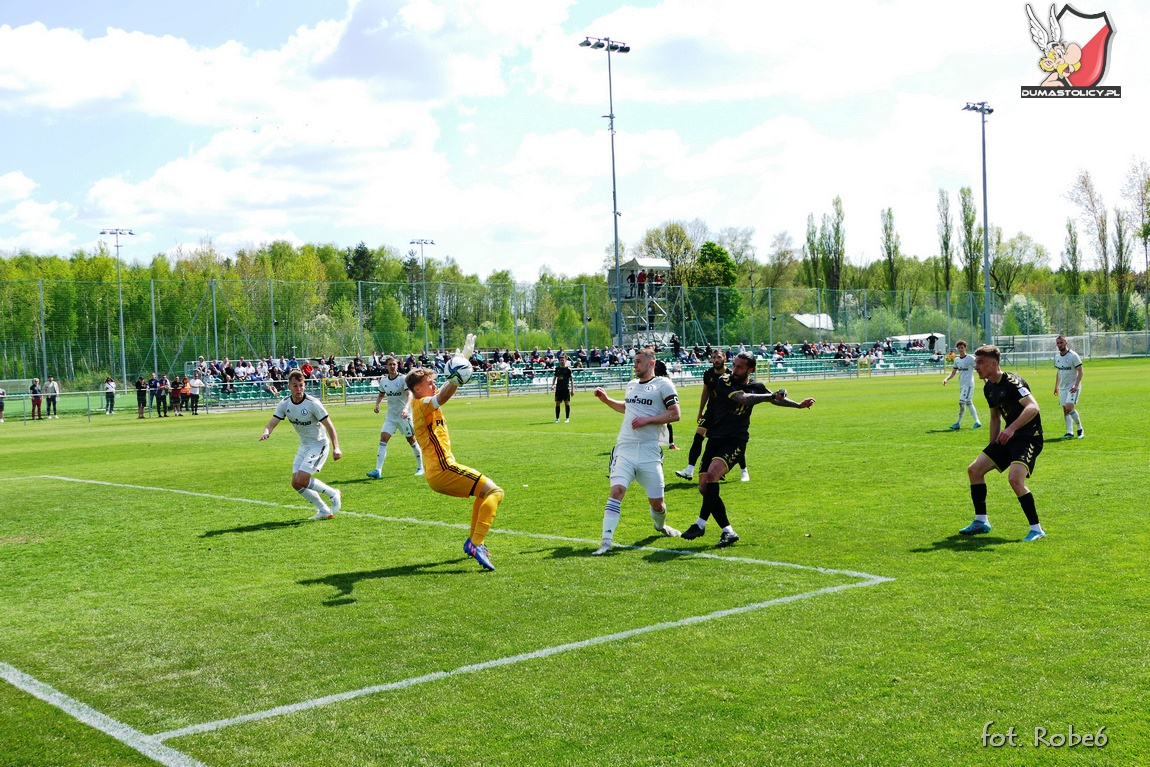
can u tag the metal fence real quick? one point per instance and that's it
(72, 329)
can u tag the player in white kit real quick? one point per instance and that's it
(650, 404)
(1068, 385)
(393, 386)
(964, 368)
(307, 414)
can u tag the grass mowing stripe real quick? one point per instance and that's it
(149, 746)
(510, 660)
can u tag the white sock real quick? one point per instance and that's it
(973, 412)
(1036, 528)
(611, 515)
(701, 523)
(313, 498)
(689, 471)
(728, 529)
(1077, 418)
(1069, 423)
(381, 456)
(660, 517)
(961, 411)
(418, 454)
(318, 486)
(981, 518)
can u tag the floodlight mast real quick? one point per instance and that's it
(120, 295)
(421, 242)
(606, 43)
(984, 109)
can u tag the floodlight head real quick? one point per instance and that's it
(598, 44)
(624, 49)
(586, 43)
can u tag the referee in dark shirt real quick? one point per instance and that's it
(728, 427)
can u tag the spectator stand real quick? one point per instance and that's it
(643, 303)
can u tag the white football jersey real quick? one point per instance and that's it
(965, 368)
(305, 417)
(647, 399)
(396, 392)
(1067, 365)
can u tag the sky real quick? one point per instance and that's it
(479, 124)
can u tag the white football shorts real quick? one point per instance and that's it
(635, 462)
(311, 457)
(1067, 397)
(965, 392)
(393, 424)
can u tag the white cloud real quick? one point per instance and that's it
(14, 185)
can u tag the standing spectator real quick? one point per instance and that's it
(52, 392)
(650, 402)
(658, 286)
(109, 395)
(162, 390)
(1013, 448)
(185, 395)
(642, 282)
(153, 392)
(195, 386)
(307, 414)
(631, 284)
(564, 385)
(141, 395)
(35, 390)
(3, 394)
(174, 394)
(1067, 385)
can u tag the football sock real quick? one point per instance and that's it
(973, 412)
(611, 518)
(742, 460)
(713, 505)
(556, 411)
(670, 434)
(696, 449)
(701, 523)
(1027, 504)
(567, 409)
(961, 411)
(312, 497)
(483, 514)
(320, 487)
(978, 496)
(1077, 418)
(415, 450)
(381, 456)
(659, 517)
(728, 529)
(1069, 423)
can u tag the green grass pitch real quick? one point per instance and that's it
(218, 626)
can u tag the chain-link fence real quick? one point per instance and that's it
(73, 329)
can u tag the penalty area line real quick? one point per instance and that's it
(147, 745)
(498, 662)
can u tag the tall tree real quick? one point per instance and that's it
(891, 246)
(781, 262)
(810, 255)
(1137, 193)
(1072, 260)
(672, 243)
(945, 229)
(359, 263)
(1122, 276)
(1093, 209)
(832, 254)
(971, 247)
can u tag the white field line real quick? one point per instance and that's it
(509, 660)
(866, 579)
(147, 745)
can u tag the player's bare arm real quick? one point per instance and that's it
(953, 373)
(1029, 411)
(378, 399)
(1077, 380)
(671, 415)
(272, 424)
(406, 412)
(446, 392)
(329, 427)
(614, 404)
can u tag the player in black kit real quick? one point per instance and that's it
(729, 420)
(1013, 448)
(717, 370)
(564, 385)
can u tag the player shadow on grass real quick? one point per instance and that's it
(256, 528)
(567, 552)
(344, 583)
(965, 543)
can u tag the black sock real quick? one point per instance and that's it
(556, 411)
(671, 434)
(978, 495)
(1027, 504)
(742, 459)
(567, 409)
(713, 505)
(696, 449)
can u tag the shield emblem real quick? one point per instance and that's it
(1092, 32)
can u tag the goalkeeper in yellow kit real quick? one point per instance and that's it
(442, 472)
